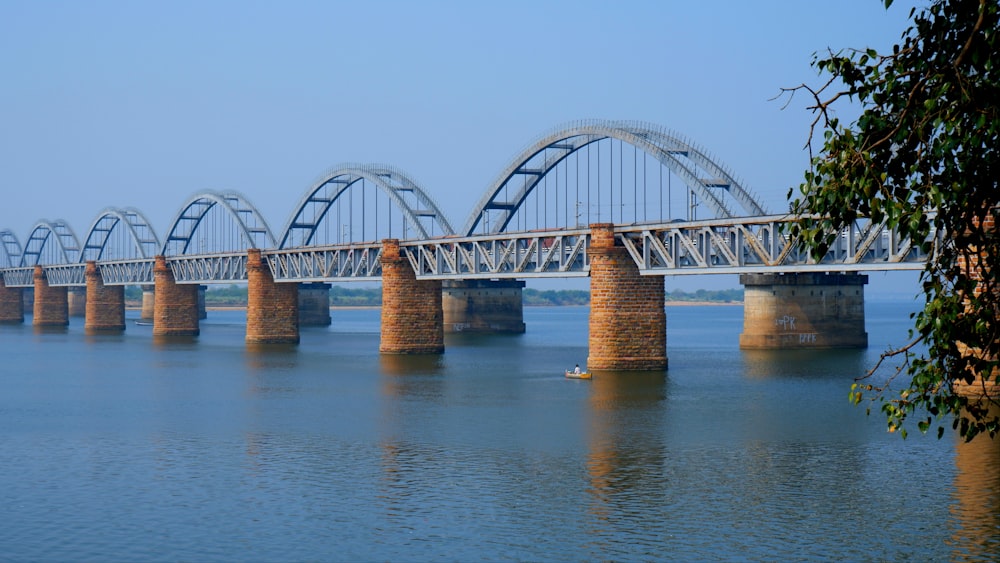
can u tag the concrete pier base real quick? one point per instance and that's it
(76, 301)
(813, 310)
(628, 320)
(105, 303)
(202, 310)
(272, 308)
(314, 304)
(176, 309)
(148, 303)
(11, 304)
(483, 306)
(412, 317)
(50, 306)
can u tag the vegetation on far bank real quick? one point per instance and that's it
(340, 296)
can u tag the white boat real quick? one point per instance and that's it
(574, 375)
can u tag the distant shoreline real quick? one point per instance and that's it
(362, 307)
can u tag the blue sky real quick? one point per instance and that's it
(143, 104)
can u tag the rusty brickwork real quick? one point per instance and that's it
(412, 315)
(105, 303)
(628, 321)
(175, 312)
(272, 308)
(51, 307)
(11, 304)
(973, 268)
(812, 310)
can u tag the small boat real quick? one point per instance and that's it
(142, 322)
(574, 375)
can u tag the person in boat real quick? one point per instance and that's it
(576, 370)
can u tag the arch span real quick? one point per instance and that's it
(245, 228)
(135, 238)
(420, 212)
(51, 242)
(713, 183)
(10, 249)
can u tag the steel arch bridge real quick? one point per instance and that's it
(10, 249)
(136, 239)
(420, 212)
(247, 228)
(51, 242)
(713, 183)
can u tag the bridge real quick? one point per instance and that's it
(623, 203)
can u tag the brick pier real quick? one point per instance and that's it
(11, 304)
(412, 316)
(51, 307)
(175, 312)
(105, 303)
(975, 269)
(628, 321)
(272, 308)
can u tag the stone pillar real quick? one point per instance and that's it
(202, 310)
(628, 320)
(974, 268)
(811, 310)
(175, 312)
(412, 318)
(483, 306)
(11, 304)
(105, 303)
(76, 301)
(272, 308)
(148, 303)
(51, 307)
(314, 304)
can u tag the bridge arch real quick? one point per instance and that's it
(51, 242)
(420, 213)
(227, 221)
(10, 249)
(120, 234)
(712, 183)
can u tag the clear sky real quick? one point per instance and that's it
(143, 104)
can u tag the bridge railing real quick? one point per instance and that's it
(209, 268)
(138, 271)
(66, 275)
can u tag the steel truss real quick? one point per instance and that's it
(209, 268)
(360, 262)
(19, 277)
(127, 272)
(558, 253)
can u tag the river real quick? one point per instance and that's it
(119, 448)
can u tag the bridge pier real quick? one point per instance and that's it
(483, 306)
(51, 307)
(175, 312)
(810, 310)
(272, 308)
(11, 304)
(105, 303)
(148, 303)
(202, 310)
(628, 320)
(314, 304)
(976, 269)
(412, 316)
(76, 301)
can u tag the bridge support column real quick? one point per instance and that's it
(483, 306)
(76, 301)
(272, 308)
(202, 310)
(813, 310)
(314, 304)
(51, 307)
(11, 304)
(975, 268)
(105, 303)
(412, 317)
(628, 320)
(148, 302)
(175, 312)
